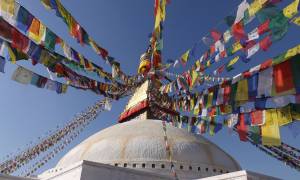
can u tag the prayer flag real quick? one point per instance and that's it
(265, 82)
(284, 116)
(253, 35)
(216, 35)
(255, 134)
(257, 118)
(227, 36)
(253, 50)
(241, 11)
(270, 130)
(22, 75)
(296, 20)
(185, 57)
(242, 90)
(19, 41)
(265, 43)
(283, 77)
(238, 31)
(253, 85)
(24, 19)
(264, 27)
(229, 66)
(242, 128)
(36, 30)
(291, 9)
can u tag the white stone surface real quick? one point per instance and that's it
(241, 175)
(140, 143)
(86, 170)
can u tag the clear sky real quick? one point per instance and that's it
(122, 28)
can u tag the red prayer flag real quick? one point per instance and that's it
(264, 27)
(238, 31)
(19, 41)
(242, 128)
(212, 49)
(5, 29)
(216, 35)
(283, 77)
(249, 45)
(265, 43)
(227, 91)
(103, 52)
(257, 118)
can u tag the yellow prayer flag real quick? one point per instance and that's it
(296, 21)
(256, 6)
(208, 63)
(284, 116)
(194, 77)
(236, 47)
(198, 65)
(291, 9)
(196, 111)
(210, 99)
(158, 17)
(64, 88)
(233, 61)
(185, 56)
(81, 60)
(270, 130)
(242, 90)
(192, 104)
(298, 49)
(12, 55)
(291, 52)
(8, 6)
(163, 9)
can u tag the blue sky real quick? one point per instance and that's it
(122, 28)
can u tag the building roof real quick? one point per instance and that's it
(140, 144)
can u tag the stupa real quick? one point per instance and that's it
(136, 149)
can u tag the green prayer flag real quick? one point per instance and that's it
(50, 40)
(255, 134)
(267, 13)
(279, 26)
(233, 94)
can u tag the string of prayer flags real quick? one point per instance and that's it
(40, 55)
(24, 76)
(75, 29)
(276, 24)
(42, 35)
(61, 70)
(256, 86)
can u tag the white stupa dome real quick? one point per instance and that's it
(140, 144)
